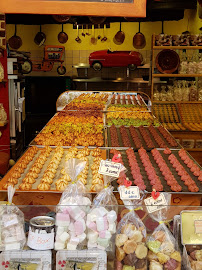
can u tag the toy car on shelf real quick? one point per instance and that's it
(108, 58)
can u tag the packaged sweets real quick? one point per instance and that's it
(131, 249)
(163, 247)
(192, 257)
(101, 220)
(12, 225)
(71, 211)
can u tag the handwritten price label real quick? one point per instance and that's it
(129, 193)
(110, 168)
(198, 226)
(40, 241)
(155, 205)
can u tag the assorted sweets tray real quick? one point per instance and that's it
(163, 170)
(166, 112)
(73, 128)
(42, 169)
(137, 137)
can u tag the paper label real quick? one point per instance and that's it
(110, 168)
(198, 226)
(40, 241)
(129, 193)
(155, 205)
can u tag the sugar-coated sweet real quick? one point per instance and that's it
(112, 227)
(91, 245)
(92, 226)
(62, 219)
(103, 242)
(79, 226)
(105, 234)
(12, 246)
(64, 237)
(111, 216)
(81, 237)
(92, 236)
(100, 224)
(59, 245)
(71, 246)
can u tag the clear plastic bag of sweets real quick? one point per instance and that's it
(71, 210)
(101, 220)
(12, 225)
(131, 249)
(163, 247)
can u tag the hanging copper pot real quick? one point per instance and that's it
(15, 42)
(62, 36)
(61, 18)
(119, 37)
(40, 38)
(139, 40)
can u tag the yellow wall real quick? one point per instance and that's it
(27, 33)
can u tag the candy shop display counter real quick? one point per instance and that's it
(181, 224)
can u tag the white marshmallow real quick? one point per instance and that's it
(91, 245)
(82, 237)
(60, 230)
(112, 227)
(59, 245)
(10, 239)
(64, 237)
(92, 236)
(103, 242)
(74, 240)
(111, 216)
(71, 246)
(71, 227)
(100, 224)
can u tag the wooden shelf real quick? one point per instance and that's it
(177, 47)
(193, 149)
(159, 75)
(174, 101)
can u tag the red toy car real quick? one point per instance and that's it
(108, 58)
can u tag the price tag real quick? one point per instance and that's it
(198, 226)
(130, 193)
(155, 205)
(110, 168)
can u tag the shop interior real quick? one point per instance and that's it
(101, 135)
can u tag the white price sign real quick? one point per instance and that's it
(110, 168)
(155, 205)
(198, 226)
(129, 193)
(40, 241)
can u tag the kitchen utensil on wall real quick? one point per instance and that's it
(119, 37)
(104, 36)
(40, 38)
(99, 36)
(62, 36)
(15, 42)
(78, 38)
(139, 40)
(61, 18)
(83, 34)
(93, 39)
(167, 61)
(97, 20)
(87, 33)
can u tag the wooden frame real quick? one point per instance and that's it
(136, 9)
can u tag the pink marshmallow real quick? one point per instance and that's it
(62, 217)
(105, 234)
(76, 212)
(106, 224)
(92, 226)
(79, 226)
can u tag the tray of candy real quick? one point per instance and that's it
(127, 100)
(167, 160)
(143, 136)
(191, 113)
(42, 169)
(166, 112)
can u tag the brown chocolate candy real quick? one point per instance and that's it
(130, 259)
(140, 263)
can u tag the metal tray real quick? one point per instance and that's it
(166, 188)
(57, 175)
(140, 137)
(168, 107)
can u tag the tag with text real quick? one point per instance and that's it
(155, 205)
(129, 193)
(110, 168)
(198, 226)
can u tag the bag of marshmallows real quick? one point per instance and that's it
(12, 225)
(72, 210)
